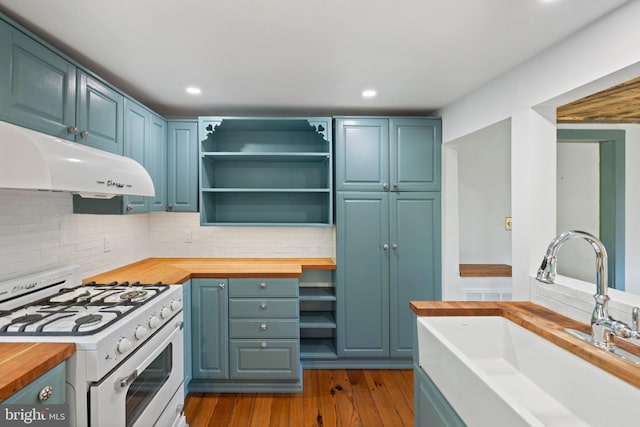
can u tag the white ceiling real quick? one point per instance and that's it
(301, 56)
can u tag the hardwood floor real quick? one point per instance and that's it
(353, 397)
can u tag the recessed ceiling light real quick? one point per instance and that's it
(369, 93)
(194, 90)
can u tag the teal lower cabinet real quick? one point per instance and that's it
(186, 307)
(431, 408)
(245, 335)
(51, 383)
(388, 253)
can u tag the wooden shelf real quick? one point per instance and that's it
(485, 270)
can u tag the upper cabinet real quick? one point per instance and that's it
(182, 166)
(380, 154)
(44, 91)
(265, 171)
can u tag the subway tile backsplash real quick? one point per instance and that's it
(38, 230)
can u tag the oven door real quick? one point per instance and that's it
(137, 392)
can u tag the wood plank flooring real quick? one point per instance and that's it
(331, 397)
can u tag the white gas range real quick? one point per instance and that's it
(128, 366)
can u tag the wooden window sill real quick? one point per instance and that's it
(485, 270)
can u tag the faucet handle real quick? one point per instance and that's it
(635, 318)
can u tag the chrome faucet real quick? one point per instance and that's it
(603, 326)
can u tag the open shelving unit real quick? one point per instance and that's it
(266, 171)
(317, 323)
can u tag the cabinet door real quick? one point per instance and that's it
(136, 135)
(209, 322)
(38, 87)
(415, 262)
(100, 115)
(186, 301)
(156, 162)
(363, 274)
(414, 154)
(182, 168)
(362, 154)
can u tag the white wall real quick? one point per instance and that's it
(578, 206)
(601, 55)
(39, 231)
(167, 232)
(484, 193)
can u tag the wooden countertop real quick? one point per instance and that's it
(179, 270)
(545, 323)
(21, 363)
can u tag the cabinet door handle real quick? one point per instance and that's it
(395, 185)
(263, 327)
(221, 285)
(45, 393)
(394, 246)
(263, 285)
(385, 186)
(263, 306)
(84, 134)
(72, 130)
(263, 345)
(170, 206)
(385, 247)
(129, 208)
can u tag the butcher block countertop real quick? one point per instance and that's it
(179, 270)
(545, 323)
(21, 363)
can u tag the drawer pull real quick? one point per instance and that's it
(263, 345)
(45, 393)
(263, 285)
(263, 306)
(263, 327)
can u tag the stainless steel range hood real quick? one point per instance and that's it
(34, 161)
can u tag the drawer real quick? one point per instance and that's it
(54, 378)
(264, 359)
(263, 329)
(255, 308)
(263, 287)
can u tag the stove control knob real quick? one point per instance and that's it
(124, 345)
(165, 312)
(175, 305)
(154, 322)
(140, 332)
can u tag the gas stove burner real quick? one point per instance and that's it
(133, 295)
(90, 319)
(27, 318)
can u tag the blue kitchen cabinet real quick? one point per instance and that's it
(388, 233)
(388, 154)
(431, 408)
(145, 141)
(38, 87)
(182, 166)
(156, 162)
(245, 335)
(415, 259)
(100, 115)
(266, 171)
(362, 273)
(209, 329)
(186, 308)
(50, 384)
(388, 254)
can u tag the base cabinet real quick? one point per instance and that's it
(51, 383)
(431, 408)
(245, 335)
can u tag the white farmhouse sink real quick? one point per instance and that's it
(496, 373)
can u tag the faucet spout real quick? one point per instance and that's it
(547, 274)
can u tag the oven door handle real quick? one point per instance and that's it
(126, 381)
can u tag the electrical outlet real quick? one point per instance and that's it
(507, 223)
(107, 243)
(187, 236)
